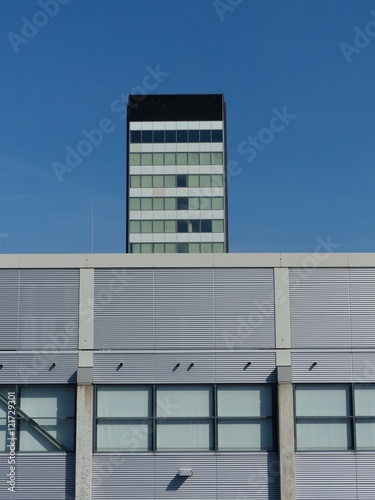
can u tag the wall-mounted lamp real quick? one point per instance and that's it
(190, 366)
(313, 365)
(185, 472)
(120, 366)
(177, 365)
(53, 365)
(247, 365)
(1, 365)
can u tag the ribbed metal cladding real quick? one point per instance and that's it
(44, 477)
(136, 368)
(362, 306)
(47, 368)
(123, 477)
(319, 308)
(9, 370)
(48, 309)
(330, 367)
(364, 367)
(193, 368)
(365, 476)
(248, 476)
(234, 367)
(325, 476)
(244, 308)
(123, 314)
(9, 286)
(184, 308)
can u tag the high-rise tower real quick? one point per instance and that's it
(176, 174)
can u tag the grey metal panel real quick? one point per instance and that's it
(319, 307)
(330, 367)
(232, 367)
(365, 475)
(9, 286)
(362, 306)
(48, 314)
(325, 476)
(244, 308)
(45, 476)
(123, 310)
(9, 369)
(137, 368)
(364, 367)
(123, 477)
(168, 485)
(248, 476)
(37, 368)
(202, 371)
(184, 332)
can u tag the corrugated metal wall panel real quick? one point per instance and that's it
(244, 308)
(37, 368)
(9, 286)
(48, 311)
(362, 306)
(45, 477)
(232, 367)
(247, 476)
(123, 314)
(330, 367)
(202, 371)
(325, 476)
(137, 368)
(9, 370)
(319, 308)
(366, 476)
(123, 477)
(364, 367)
(168, 485)
(183, 332)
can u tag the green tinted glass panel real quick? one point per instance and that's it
(206, 247)
(217, 180)
(206, 203)
(146, 159)
(170, 248)
(158, 181)
(158, 158)
(146, 181)
(193, 203)
(158, 203)
(170, 226)
(135, 181)
(170, 158)
(170, 203)
(146, 203)
(158, 247)
(170, 181)
(217, 158)
(182, 159)
(134, 204)
(135, 248)
(158, 226)
(218, 226)
(193, 158)
(134, 226)
(194, 247)
(146, 248)
(205, 158)
(218, 247)
(135, 159)
(146, 226)
(205, 180)
(217, 203)
(193, 181)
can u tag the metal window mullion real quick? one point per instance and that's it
(353, 418)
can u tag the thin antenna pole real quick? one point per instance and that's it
(92, 226)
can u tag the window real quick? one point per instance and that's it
(158, 159)
(134, 226)
(135, 137)
(182, 226)
(193, 135)
(135, 181)
(170, 158)
(158, 203)
(217, 203)
(182, 203)
(185, 418)
(206, 226)
(217, 158)
(147, 135)
(205, 135)
(146, 203)
(45, 419)
(326, 420)
(217, 136)
(182, 136)
(134, 204)
(146, 181)
(182, 247)
(135, 159)
(182, 158)
(146, 159)
(181, 181)
(159, 136)
(170, 136)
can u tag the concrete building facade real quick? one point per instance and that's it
(223, 377)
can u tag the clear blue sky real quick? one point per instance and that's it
(312, 179)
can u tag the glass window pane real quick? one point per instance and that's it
(135, 248)
(182, 158)
(120, 401)
(146, 203)
(61, 430)
(217, 136)
(324, 434)
(206, 226)
(182, 226)
(206, 248)
(134, 204)
(244, 401)
(158, 203)
(218, 226)
(364, 400)
(54, 401)
(182, 203)
(184, 435)
(218, 247)
(254, 435)
(158, 247)
(3, 435)
(146, 135)
(158, 181)
(120, 435)
(170, 248)
(170, 158)
(217, 158)
(146, 226)
(146, 248)
(146, 181)
(217, 180)
(158, 158)
(170, 226)
(193, 158)
(158, 226)
(365, 434)
(170, 136)
(146, 158)
(193, 180)
(205, 180)
(182, 248)
(181, 180)
(193, 135)
(184, 401)
(170, 203)
(194, 226)
(135, 159)
(182, 136)
(205, 158)
(206, 203)
(134, 226)
(170, 181)
(194, 203)
(194, 247)
(135, 181)
(6, 392)
(158, 136)
(135, 136)
(205, 136)
(217, 204)
(322, 401)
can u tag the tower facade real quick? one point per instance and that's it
(176, 174)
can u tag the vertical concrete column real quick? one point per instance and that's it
(84, 407)
(285, 386)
